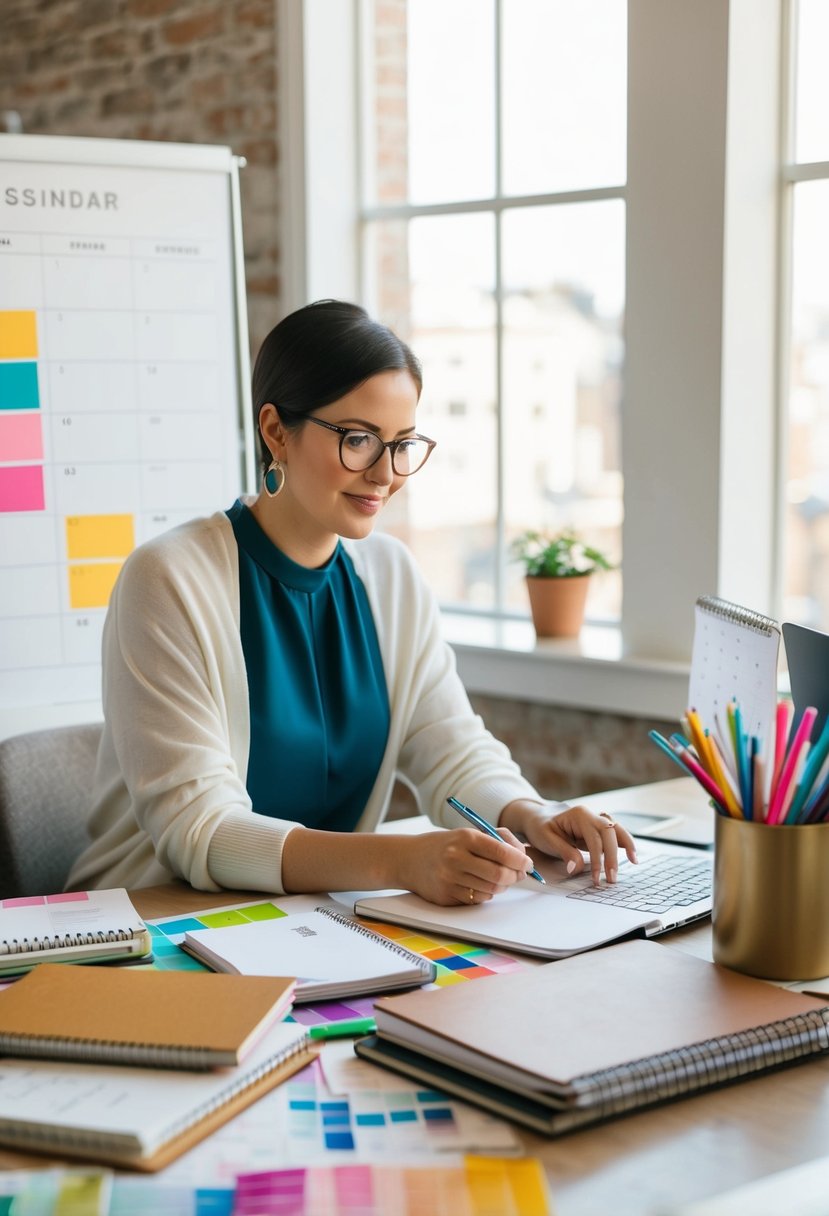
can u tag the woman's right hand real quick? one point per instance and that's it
(461, 866)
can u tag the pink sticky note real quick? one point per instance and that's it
(21, 488)
(21, 436)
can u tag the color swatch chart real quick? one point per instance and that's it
(475, 1186)
(302, 1123)
(479, 1186)
(455, 962)
(96, 1192)
(119, 397)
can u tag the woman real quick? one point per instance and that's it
(269, 671)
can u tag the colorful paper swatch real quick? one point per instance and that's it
(480, 1186)
(97, 1192)
(455, 961)
(474, 1186)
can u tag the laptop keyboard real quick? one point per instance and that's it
(656, 884)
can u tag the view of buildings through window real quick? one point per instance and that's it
(806, 477)
(494, 166)
(493, 240)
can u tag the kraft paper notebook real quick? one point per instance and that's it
(331, 955)
(165, 1019)
(72, 927)
(563, 1045)
(138, 1118)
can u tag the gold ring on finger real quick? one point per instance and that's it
(608, 822)
(471, 895)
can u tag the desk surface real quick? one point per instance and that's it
(644, 1164)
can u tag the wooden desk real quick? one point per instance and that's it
(644, 1164)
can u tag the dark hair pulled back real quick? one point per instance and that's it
(318, 354)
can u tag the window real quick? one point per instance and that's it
(806, 474)
(493, 228)
(675, 401)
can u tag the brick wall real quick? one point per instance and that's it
(565, 753)
(191, 71)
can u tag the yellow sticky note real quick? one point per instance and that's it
(90, 586)
(99, 536)
(18, 335)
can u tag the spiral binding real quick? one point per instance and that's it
(737, 615)
(22, 1134)
(415, 959)
(99, 938)
(701, 1065)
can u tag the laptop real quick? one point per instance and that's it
(669, 887)
(807, 655)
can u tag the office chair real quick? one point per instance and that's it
(45, 791)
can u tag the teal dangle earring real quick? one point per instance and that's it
(274, 479)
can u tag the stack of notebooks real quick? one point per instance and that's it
(571, 1043)
(209, 1046)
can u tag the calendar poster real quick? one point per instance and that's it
(119, 394)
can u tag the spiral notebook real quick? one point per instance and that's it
(330, 955)
(569, 1043)
(735, 655)
(140, 1118)
(72, 927)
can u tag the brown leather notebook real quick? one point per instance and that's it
(167, 1019)
(596, 1034)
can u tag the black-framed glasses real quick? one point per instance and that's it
(359, 450)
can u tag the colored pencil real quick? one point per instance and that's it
(782, 725)
(725, 781)
(686, 760)
(759, 783)
(741, 752)
(810, 775)
(787, 773)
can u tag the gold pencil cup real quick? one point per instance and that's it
(771, 899)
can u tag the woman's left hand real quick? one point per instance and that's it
(565, 833)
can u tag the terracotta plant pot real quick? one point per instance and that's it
(557, 604)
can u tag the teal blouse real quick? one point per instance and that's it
(319, 705)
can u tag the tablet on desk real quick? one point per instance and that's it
(674, 829)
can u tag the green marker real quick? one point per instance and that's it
(339, 1030)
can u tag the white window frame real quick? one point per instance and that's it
(701, 417)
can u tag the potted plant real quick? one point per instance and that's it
(557, 567)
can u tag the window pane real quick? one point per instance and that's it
(806, 581)
(812, 101)
(432, 106)
(563, 302)
(564, 69)
(446, 513)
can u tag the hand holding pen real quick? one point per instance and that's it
(483, 825)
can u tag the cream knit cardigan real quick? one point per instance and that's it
(169, 795)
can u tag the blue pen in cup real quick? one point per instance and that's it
(481, 824)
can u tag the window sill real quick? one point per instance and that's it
(505, 659)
